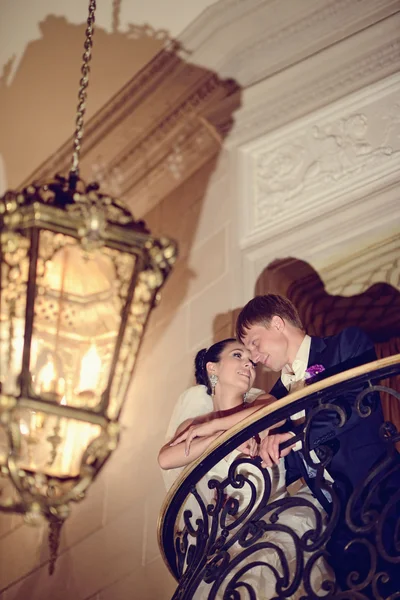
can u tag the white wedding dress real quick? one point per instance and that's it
(299, 519)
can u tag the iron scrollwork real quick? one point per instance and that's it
(236, 537)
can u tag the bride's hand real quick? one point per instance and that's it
(194, 431)
(269, 448)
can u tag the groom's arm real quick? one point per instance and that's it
(355, 348)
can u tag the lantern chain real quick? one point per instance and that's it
(82, 95)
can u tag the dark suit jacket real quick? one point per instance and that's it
(357, 445)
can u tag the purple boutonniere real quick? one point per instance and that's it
(312, 372)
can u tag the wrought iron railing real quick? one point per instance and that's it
(240, 536)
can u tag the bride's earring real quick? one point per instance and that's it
(246, 397)
(213, 381)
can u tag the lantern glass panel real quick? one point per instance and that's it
(4, 446)
(13, 284)
(51, 444)
(77, 318)
(139, 312)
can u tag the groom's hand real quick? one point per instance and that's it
(250, 447)
(269, 448)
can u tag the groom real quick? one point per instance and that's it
(270, 328)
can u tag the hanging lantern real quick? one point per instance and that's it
(78, 280)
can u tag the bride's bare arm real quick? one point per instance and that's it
(220, 423)
(173, 455)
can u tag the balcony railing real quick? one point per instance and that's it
(241, 536)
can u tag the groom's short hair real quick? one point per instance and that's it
(261, 309)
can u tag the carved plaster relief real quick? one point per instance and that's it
(322, 162)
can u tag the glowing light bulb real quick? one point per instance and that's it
(24, 429)
(90, 370)
(46, 377)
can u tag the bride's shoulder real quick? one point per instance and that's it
(194, 421)
(254, 394)
(259, 396)
(191, 404)
(267, 398)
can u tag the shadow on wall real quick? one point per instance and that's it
(177, 214)
(38, 101)
(376, 310)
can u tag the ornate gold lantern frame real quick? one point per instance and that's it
(78, 280)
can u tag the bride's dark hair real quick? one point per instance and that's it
(213, 354)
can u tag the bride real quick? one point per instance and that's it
(223, 397)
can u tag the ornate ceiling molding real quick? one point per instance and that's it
(333, 73)
(159, 129)
(270, 35)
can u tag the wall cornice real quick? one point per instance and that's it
(271, 35)
(160, 128)
(334, 73)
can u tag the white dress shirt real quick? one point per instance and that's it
(293, 378)
(293, 375)
(298, 369)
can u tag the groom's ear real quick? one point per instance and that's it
(277, 323)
